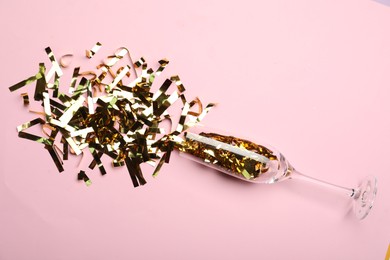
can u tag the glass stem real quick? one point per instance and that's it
(294, 174)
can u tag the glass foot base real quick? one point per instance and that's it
(364, 197)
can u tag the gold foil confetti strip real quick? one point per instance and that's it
(41, 83)
(65, 149)
(55, 86)
(55, 68)
(107, 115)
(178, 83)
(82, 176)
(88, 73)
(118, 78)
(26, 100)
(163, 64)
(139, 62)
(74, 79)
(66, 60)
(119, 54)
(25, 82)
(196, 101)
(159, 165)
(56, 158)
(94, 50)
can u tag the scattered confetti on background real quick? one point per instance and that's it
(108, 116)
(311, 78)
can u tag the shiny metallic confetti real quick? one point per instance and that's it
(238, 156)
(93, 51)
(83, 176)
(105, 112)
(26, 100)
(66, 60)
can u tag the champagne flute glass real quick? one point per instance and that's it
(260, 163)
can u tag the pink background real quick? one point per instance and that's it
(312, 78)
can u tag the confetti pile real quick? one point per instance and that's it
(103, 114)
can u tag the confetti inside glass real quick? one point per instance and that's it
(260, 163)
